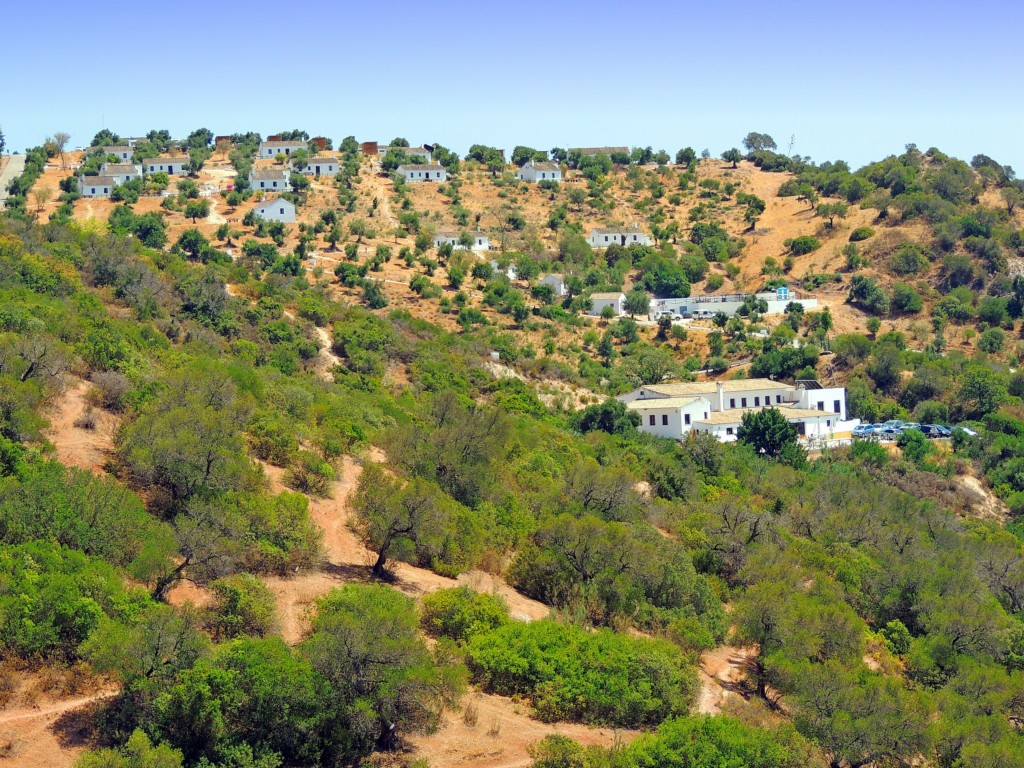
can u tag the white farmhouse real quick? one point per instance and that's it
(816, 411)
(271, 149)
(321, 166)
(617, 301)
(278, 209)
(420, 173)
(703, 307)
(96, 186)
(121, 172)
(557, 283)
(172, 166)
(534, 171)
(481, 242)
(268, 179)
(509, 271)
(602, 237)
(122, 153)
(670, 416)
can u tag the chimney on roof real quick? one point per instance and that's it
(720, 390)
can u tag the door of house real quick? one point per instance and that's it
(318, 170)
(623, 239)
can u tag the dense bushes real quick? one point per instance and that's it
(572, 674)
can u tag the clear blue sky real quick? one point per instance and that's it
(855, 80)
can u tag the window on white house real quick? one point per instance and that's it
(651, 420)
(732, 402)
(686, 418)
(778, 398)
(728, 430)
(664, 420)
(743, 402)
(821, 406)
(757, 401)
(282, 211)
(835, 406)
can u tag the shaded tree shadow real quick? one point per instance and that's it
(84, 726)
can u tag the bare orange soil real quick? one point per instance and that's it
(85, 448)
(722, 672)
(48, 733)
(501, 735)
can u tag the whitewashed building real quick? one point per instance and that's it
(481, 242)
(268, 180)
(96, 186)
(816, 411)
(421, 173)
(605, 237)
(271, 149)
(557, 283)
(123, 153)
(172, 166)
(670, 417)
(703, 307)
(121, 172)
(278, 209)
(534, 171)
(321, 166)
(617, 301)
(508, 271)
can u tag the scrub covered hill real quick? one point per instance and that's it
(882, 616)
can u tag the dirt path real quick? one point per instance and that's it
(347, 560)
(215, 217)
(501, 734)
(380, 187)
(42, 738)
(722, 670)
(14, 166)
(86, 448)
(325, 359)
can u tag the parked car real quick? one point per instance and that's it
(943, 430)
(910, 425)
(892, 424)
(863, 430)
(889, 433)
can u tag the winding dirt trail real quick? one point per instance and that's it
(40, 738)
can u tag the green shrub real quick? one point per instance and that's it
(572, 674)
(861, 233)
(461, 613)
(804, 245)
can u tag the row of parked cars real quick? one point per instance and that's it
(891, 430)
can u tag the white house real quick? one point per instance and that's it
(278, 209)
(420, 173)
(815, 410)
(534, 171)
(172, 166)
(122, 153)
(96, 186)
(121, 172)
(775, 303)
(268, 179)
(671, 416)
(617, 301)
(321, 166)
(557, 283)
(417, 153)
(481, 242)
(271, 149)
(509, 271)
(602, 237)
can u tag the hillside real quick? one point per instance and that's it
(272, 502)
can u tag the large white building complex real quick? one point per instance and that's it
(717, 408)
